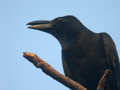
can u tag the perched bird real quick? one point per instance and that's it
(85, 54)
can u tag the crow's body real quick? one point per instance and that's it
(85, 54)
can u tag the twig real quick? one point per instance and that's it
(102, 81)
(46, 68)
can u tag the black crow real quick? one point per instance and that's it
(85, 54)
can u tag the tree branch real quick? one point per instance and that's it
(46, 68)
(102, 81)
(49, 70)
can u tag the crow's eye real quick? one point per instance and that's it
(59, 20)
(62, 21)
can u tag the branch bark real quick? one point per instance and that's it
(102, 81)
(49, 70)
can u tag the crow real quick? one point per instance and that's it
(85, 54)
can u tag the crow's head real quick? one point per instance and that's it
(59, 27)
(59, 24)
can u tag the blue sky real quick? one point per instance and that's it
(16, 73)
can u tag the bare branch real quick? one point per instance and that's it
(102, 81)
(46, 68)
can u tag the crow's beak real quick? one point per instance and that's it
(40, 25)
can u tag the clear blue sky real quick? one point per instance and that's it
(16, 73)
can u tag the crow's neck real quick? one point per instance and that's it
(71, 37)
